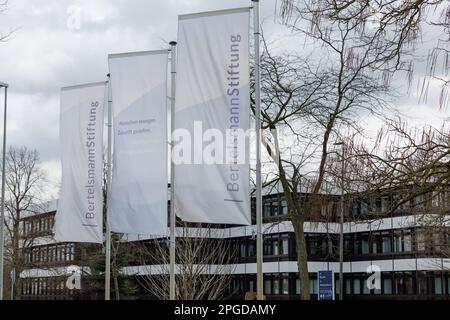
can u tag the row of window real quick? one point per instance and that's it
(34, 226)
(275, 206)
(325, 246)
(51, 253)
(400, 283)
(274, 245)
(397, 241)
(45, 286)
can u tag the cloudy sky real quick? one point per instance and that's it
(58, 43)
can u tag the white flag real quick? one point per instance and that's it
(212, 104)
(80, 206)
(138, 198)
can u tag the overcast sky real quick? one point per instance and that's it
(49, 50)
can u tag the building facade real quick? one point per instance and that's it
(407, 258)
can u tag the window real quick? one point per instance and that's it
(326, 209)
(365, 287)
(420, 240)
(251, 248)
(275, 250)
(356, 286)
(242, 249)
(312, 246)
(356, 209)
(251, 285)
(387, 286)
(438, 289)
(398, 243)
(267, 286)
(285, 284)
(386, 240)
(313, 286)
(384, 204)
(365, 244)
(407, 243)
(357, 245)
(348, 286)
(448, 283)
(337, 285)
(276, 286)
(284, 208)
(364, 208)
(285, 246)
(267, 209)
(422, 283)
(374, 245)
(274, 211)
(404, 283)
(438, 243)
(402, 241)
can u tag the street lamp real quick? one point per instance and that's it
(2, 206)
(341, 223)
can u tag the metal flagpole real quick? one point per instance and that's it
(341, 231)
(259, 235)
(172, 173)
(2, 209)
(341, 223)
(108, 184)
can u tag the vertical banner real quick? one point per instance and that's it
(212, 112)
(138, 199)
(80, 206)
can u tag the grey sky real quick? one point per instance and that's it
(48, 51)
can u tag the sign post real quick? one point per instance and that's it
(326, 285)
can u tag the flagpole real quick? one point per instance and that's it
(259, 235)
(2, 209)
(172, 173)
(108, 184)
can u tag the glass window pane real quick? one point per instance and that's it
(420, 238)
(386, 243)
(397, 244)
(267, 286)
(438, 285)
(285, 246)
(356, 286)
(365, 288)
(312, 286)
(274, 208)
(365, 246)
(407, 242)
(276, 248)
(387, 286)
(285, 284)
(348, 286)
(284, 208)
(276, 286)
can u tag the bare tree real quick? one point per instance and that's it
(412, 165)
(204, 263)
(352, 67)
(25, 181)
(402, 21)
(5, 36)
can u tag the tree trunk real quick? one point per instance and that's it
(295, 213)
(302, 257)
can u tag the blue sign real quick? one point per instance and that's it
(326, 287)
